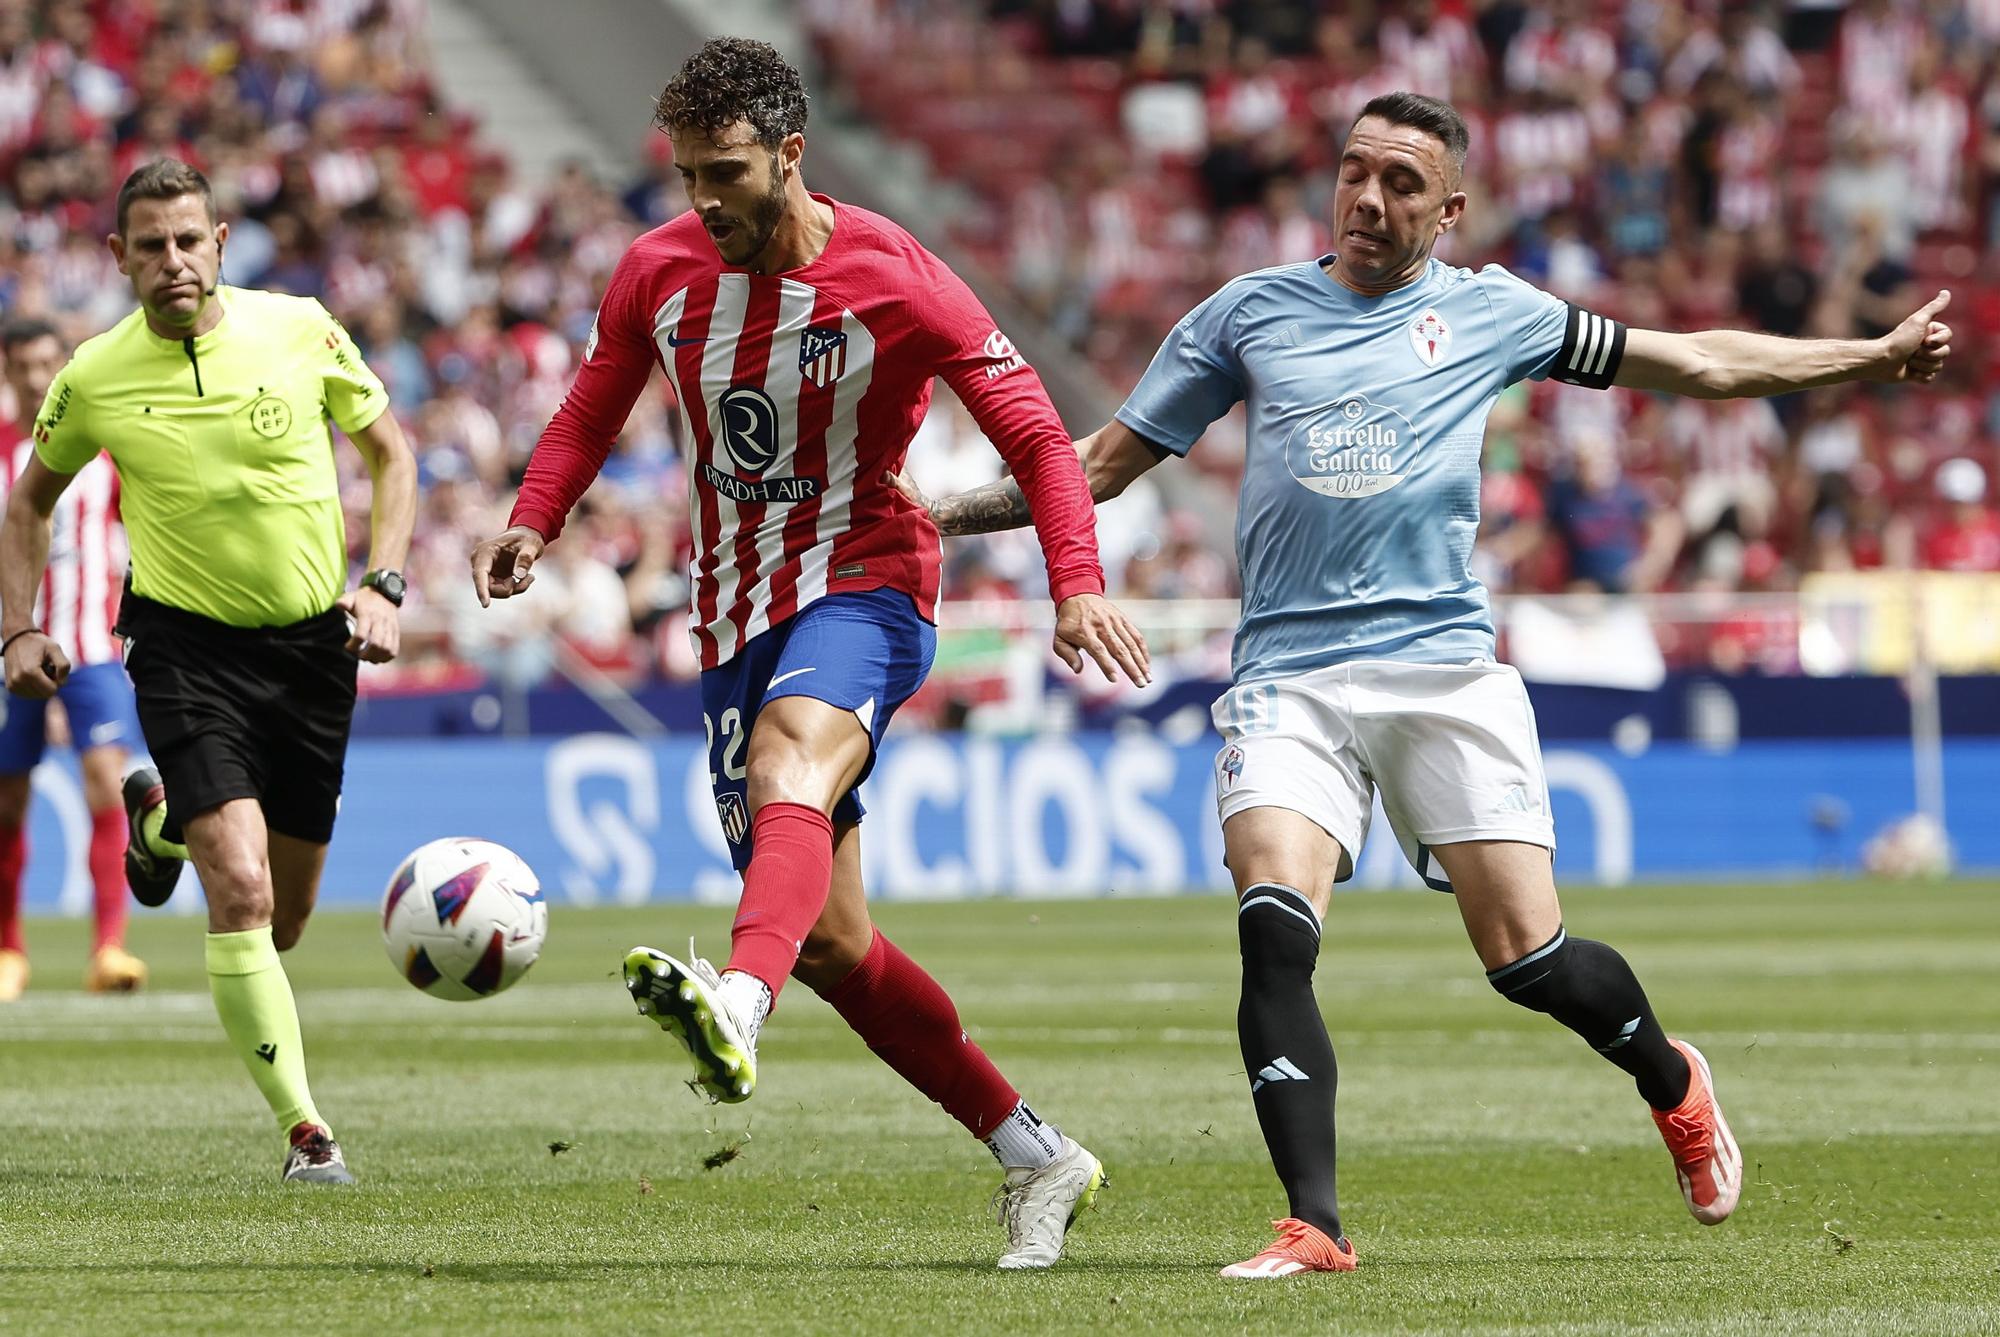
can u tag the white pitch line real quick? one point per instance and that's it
(558, 1034)
(387, 1000)
(1872, 1040)
(625, 1031)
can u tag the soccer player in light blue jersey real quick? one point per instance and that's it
(1365, 655)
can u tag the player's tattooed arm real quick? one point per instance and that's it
(983, 510)
(1113, 456)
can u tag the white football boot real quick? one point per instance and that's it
(686, 1001)
(1037, 1207)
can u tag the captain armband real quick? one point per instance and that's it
(1592, 348)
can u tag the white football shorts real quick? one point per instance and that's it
(1452, 746)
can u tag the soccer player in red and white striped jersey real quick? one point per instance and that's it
(77, 605)
(802, 336)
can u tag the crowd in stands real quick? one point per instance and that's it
(344, 177)
(1809, 170)
(1806, 171)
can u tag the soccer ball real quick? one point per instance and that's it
(463, 918)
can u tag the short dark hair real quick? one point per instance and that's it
(735, 79)
(25, 330)
(163, 179)
(1438, 119)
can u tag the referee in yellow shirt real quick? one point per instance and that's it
(241, 638)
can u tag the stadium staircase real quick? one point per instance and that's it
(607, 59)
(480, 71)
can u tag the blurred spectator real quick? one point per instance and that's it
(1930, 125)
(1728, 450)
(1279, 233)
(1967, 536)
(1866, 181)
(1617, 543)
(1634, 193)
(1544, 143)
(1879, 41)
(1776, 288)
(1743, 45)
(1562, 51)
(1436, 54)
(1182, 566)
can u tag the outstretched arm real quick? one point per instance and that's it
(1737, 364)
(1113, 456)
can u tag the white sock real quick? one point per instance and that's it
(1024, 1142)
(748, 999)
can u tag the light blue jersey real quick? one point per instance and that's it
(1360, 495)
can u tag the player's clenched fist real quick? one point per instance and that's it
(502, 566)
(36, 666)
(1090, 624)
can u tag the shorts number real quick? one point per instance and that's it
(735, 738)
(1256, 708)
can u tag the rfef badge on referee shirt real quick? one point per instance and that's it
(1431, 337)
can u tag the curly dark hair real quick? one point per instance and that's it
(735, 79)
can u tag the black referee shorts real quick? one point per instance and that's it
(243, 712)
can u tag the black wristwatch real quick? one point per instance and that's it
(388, 584)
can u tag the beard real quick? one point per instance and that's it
(765, 215)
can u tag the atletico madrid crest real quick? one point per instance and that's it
(1431, 337)
(822, 356)
(735, 819)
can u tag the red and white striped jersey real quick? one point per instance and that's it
(78, 602)
(798, 391)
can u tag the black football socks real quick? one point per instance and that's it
(1588, 987)
(1286, 1052)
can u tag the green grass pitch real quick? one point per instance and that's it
(1496, 1176)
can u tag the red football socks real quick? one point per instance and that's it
(906, 1017)
(784, 891)
(13, 857)
(107, 876)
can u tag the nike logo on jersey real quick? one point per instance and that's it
(785, 677)
(675, 341)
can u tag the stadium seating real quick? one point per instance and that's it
(1126, 159)
(1168, 147)
(345, 178)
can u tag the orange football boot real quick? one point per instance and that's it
(13, 975)
(114, 970)
(1706, 1158)
(1298, 1248)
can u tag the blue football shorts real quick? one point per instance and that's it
(98, 700)
(867, 652)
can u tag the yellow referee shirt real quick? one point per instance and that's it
(225, 463)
